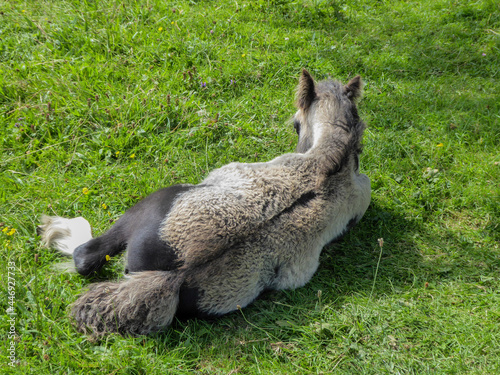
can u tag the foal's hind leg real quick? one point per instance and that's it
(73, 237)
(92, 255)
(137, 231)
(146, 251)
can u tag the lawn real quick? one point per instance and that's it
(103, 102)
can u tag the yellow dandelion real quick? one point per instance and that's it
(24, 10)
(117, 153)
(243, 55)
(132, 156)
(12, 231)
(439, 145)
(5, 230)
(108, 258)
(85, 191)
(104, 206)
(160, 29)
(172, 22)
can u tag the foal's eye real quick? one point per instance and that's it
(296, 125)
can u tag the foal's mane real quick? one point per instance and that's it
(347, 127)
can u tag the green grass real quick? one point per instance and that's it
(110, 97)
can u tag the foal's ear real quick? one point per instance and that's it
(305, 90)
(353, 88)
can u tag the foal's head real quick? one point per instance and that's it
(327, 119)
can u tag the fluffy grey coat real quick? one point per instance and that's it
(208, 249)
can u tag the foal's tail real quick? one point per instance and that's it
(142, 304)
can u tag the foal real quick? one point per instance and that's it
(205, 250)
